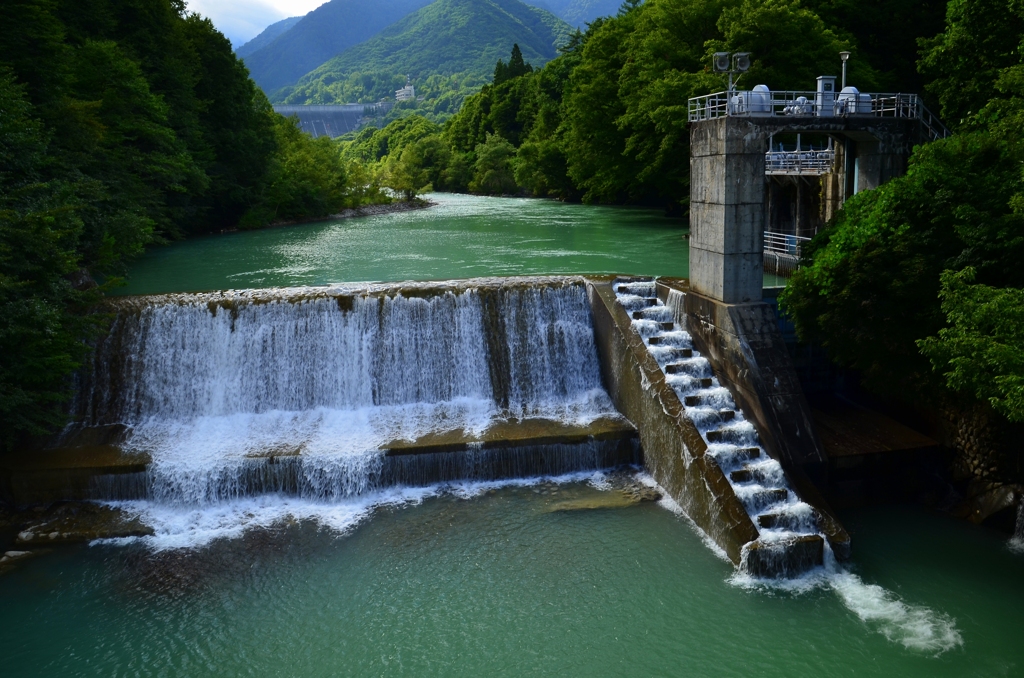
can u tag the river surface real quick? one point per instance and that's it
(499, 584)
(487, 579)
(461, 236)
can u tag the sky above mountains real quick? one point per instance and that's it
(242, 20)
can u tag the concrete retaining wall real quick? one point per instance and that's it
(674, 452)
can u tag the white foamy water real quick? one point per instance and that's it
(205, 384)
(182, 527)
(762, 486)
(1016, 543)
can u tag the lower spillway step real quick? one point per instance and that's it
(789, 538)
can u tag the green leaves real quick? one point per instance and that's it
(981, 352)
(492, 172)
(871, 289)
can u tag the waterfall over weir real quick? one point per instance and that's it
(305, 391)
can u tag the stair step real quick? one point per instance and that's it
(738, 456)
(705, 382)
(677, 368)
(784, 521)
(727, 415)
(744, 475)
(668, 327)
(692, 401)
(772, 496)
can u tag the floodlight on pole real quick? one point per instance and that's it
(724, 62)
(845, 56)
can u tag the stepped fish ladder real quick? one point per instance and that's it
(781, 518)
(301, 392)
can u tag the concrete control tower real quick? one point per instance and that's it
(864, 140)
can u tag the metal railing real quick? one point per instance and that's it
(813, 163)
(784, 243)
(782, 253)
(797, 104)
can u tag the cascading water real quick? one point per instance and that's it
(760, 483)
(757, 479)
(1017, 540)
(298, 393)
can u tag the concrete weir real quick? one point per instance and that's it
(327, 393)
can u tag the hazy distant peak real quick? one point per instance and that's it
(267, 36)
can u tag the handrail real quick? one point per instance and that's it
(784, 243)
(799, 162)
(792, 103)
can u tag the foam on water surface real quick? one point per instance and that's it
(177, 526)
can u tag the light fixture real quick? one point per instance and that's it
(845, 56)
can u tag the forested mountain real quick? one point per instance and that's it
(321, 35)
(268, 35)
(459, 39)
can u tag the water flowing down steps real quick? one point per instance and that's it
(326, 394)
(697, 442)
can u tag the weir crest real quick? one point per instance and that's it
(321, 394)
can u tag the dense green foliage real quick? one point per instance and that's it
(872, 290)
(981, 352)
(321, 35)
(890, 286)
(122, 124)
(606, 120)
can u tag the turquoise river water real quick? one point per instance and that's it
(499, 584)
(490, 579)
(459, 237)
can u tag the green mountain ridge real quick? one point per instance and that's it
(322, 34)
(457, 41)
(267, 36)
(578, 13)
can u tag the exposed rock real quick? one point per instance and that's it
(78, 522)
(11, 558)
(626, 491)
(984, 504)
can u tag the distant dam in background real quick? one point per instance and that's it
(332, 120)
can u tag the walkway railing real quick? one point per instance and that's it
(782, 253)
(813, 163)
(784, 243)
(815, 104)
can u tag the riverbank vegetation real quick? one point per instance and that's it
(124, 124)
(606, 120)
(918, 284)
